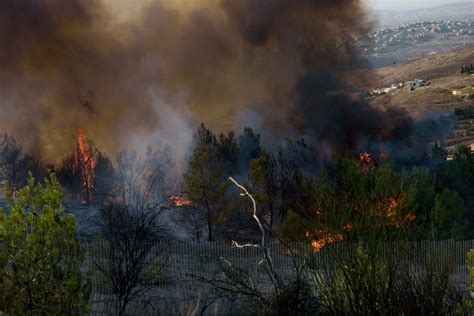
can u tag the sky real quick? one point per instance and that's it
(405, 4)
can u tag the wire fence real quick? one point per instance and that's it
(186, 264)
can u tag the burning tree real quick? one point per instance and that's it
(84, 165)
(77, 173)
(87, 173)
(360, 199)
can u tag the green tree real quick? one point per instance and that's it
(249, 148)
(228, 152)
(40, 256)
(263, 175)
(448, 219)
(205, 180)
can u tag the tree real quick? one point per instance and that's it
(40, 256)
(448, 219)
(14, 165)
(228, 152)
(77, 172)
(134, 259)
(10, 154)
(141, 182)
(294, 161)
(263, 175)
(205, 179)
(104, 178)
(249, 148)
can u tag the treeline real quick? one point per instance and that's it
(299, 195)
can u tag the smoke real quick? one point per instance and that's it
(116, 69)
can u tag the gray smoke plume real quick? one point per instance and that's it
(76, 63)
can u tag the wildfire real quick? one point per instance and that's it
(318, 244)
(180, 201)
(392, 213)
(326, 237)
(84, 164)
(366, 161)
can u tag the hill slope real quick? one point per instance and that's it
(432, 67)
(442, 71)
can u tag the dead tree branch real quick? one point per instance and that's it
(263, 246)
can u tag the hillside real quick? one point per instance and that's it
(435, 66)
(442, 72)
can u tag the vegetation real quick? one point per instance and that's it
(209, 164)
(367, 285)
(300, 194)
(40, 256)
(127, 257)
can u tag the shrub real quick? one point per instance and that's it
(367, 285)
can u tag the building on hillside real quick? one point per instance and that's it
(412, 85)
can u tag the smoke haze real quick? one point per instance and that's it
(129, 71)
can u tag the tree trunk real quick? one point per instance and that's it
(209, 226)
(271, 219)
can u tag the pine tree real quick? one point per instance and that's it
(40, 256)
(205, 180)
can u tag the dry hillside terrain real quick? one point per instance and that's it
(428, 68)
(442, 71)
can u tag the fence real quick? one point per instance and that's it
(187, 263)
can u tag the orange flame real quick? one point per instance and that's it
(366, 161)
(85, 163)
(180, 201)
(318, 244)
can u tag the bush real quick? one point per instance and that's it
(368, 285)
(470, 265)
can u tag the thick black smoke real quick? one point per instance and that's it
(151, 77)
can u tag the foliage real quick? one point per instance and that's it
(14, 164)
(249, 148)
(366, 284)
(470, 266)
(357, 200)
(205, 179)
(40, 257)
(264, 176)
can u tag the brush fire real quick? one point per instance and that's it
(84, 164)
(233, 125)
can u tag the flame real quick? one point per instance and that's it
(390, 210)
(366, 161)
(180, 201)
(84, 164)
(318, 244)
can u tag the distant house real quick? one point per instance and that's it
(412, 85)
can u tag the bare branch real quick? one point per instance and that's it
(263, 247)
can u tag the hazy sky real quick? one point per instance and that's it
(405, 4)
